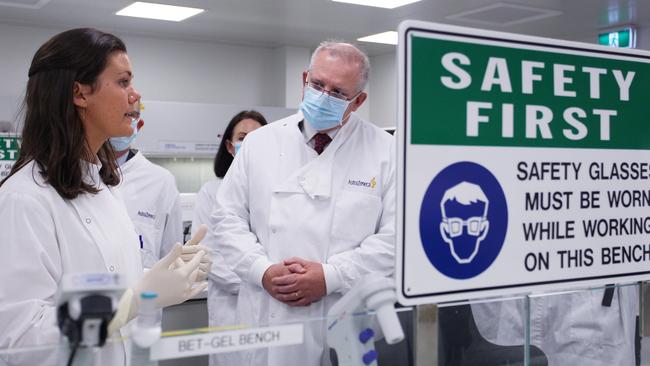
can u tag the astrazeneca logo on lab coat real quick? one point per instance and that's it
(463, 220)
(370, 184)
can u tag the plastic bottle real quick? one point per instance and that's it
(147, 328)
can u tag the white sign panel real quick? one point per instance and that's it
(524, 164)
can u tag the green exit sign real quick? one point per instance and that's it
(622, 38)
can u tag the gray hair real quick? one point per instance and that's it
(350, 54)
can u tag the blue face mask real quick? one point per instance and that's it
(321, 110)
(123, 143)
(237, 146)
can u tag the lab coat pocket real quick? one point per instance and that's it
(356, 215)
(587, 321)
(147, 234)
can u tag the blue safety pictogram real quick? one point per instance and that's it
(463, 220)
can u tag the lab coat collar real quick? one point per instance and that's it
(309, 132)
(90, 172)
(132, 163)
(315, 177)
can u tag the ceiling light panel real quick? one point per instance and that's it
(386, 4)
(25, 4)
(158, 11)
(389, 37)
(503, 14)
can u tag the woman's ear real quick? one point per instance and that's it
(230, 147)
(79, 92)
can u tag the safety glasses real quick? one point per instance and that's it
(455, 226)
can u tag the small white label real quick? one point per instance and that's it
(188, 146)
(228, 341)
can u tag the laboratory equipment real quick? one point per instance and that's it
(86, 303)
(352, 333)
(147, 328)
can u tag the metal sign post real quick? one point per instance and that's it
(425, 340)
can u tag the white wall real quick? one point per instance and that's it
(383, 90)
(18, 45)
(643, 39)
(199, 72)
(292, 62)
(165, 70)
(178, 71)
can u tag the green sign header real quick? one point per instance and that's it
(9, 148)
(516, 94)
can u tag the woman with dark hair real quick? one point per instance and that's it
(240, 125)
(61, 213)
(223, 285)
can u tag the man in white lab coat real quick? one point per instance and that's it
(151, 198)
(308, 207)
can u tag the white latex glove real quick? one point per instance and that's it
(194, 246)
(173, 282)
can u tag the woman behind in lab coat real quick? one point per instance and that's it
(60, 212)
(240, 125)
(223, 284)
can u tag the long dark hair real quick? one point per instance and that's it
(223, 159)
(53, 135)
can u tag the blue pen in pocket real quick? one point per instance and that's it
(141, 242)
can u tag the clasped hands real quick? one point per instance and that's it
(295, 281)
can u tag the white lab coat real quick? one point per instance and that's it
(44, 236)
(280, 199)
(571, 328)
(153, 203)
(223, 284)
(205, 200)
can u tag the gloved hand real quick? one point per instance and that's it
(194, 246)
(171, 279)
(173, 282)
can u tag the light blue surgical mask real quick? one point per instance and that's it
(322, 111)
(122, 143)
(236, 145)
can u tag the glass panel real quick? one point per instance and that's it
(60, 352)
(309, 345)
(595, 327)
(588, 327)
(345, 335)
(486, 332)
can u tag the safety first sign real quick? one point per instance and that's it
(9, 150)
(524, 164)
